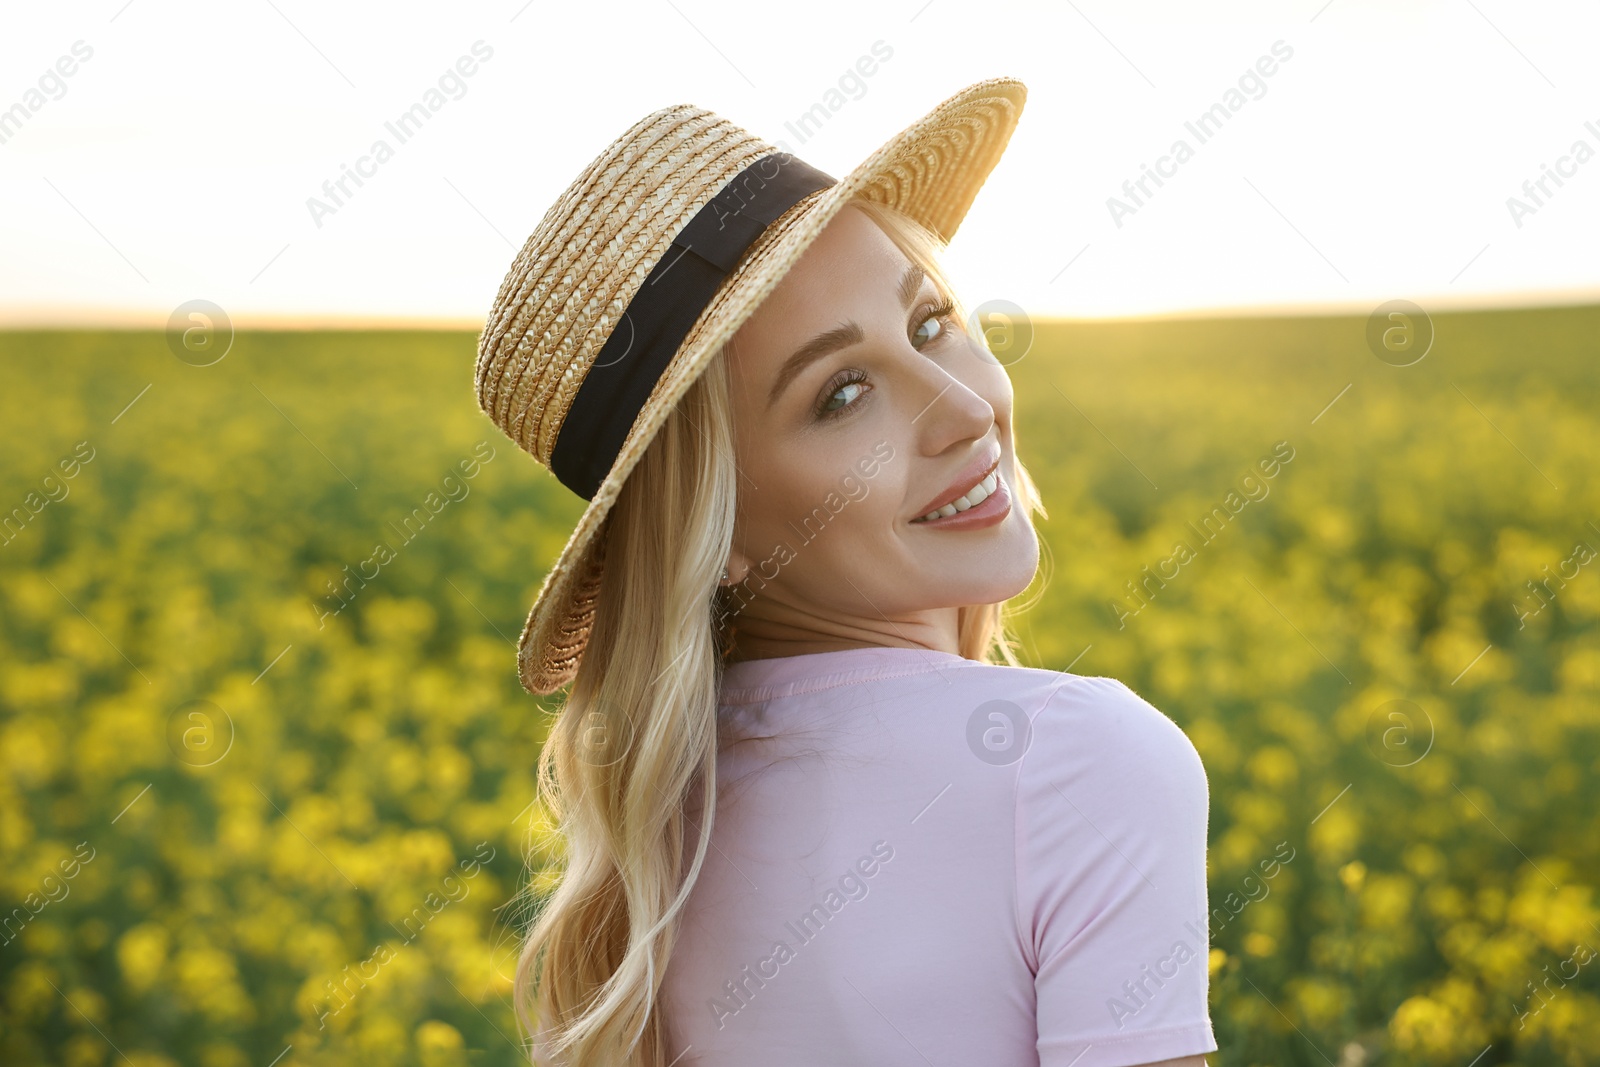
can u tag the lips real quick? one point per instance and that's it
(970, 475)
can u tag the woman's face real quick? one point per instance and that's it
(857, 408)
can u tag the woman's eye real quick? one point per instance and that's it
(841, 395)
(938, 327)
(829, 407)
(937, 317)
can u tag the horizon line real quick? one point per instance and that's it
(60, 318)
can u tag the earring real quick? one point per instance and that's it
(726, 602)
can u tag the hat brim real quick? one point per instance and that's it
(932, 170)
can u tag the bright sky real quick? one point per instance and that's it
(176, 160)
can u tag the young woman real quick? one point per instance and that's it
(813, 809)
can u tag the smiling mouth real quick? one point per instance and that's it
(982, 490)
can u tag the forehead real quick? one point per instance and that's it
(851, 265)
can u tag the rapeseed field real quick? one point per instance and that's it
(267, 777)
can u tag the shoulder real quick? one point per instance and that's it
(1084, 724)
(1111, 810)
(1111, 805)
(1104, 769)
(1099, 728)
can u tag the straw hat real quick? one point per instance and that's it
(642, 270)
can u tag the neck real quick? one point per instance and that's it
(762, 636)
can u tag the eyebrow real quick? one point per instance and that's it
(839, 337)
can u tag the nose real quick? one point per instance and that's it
(949, 412)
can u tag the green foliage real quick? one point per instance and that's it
(324, 820)
(297, 770)
(1446, 850)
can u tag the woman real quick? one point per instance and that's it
(808, 818)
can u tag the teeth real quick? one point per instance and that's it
(974, 496)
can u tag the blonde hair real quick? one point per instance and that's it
(637, 735)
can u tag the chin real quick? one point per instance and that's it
(1018, 558)
(1001, 572)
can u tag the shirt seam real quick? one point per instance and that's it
(757, 693)
(1203, 1026)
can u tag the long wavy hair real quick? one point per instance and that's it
(636, 740)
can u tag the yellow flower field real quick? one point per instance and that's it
(266, 774)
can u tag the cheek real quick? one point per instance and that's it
(823, 507)
(780, 497)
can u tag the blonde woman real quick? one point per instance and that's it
(813, 809)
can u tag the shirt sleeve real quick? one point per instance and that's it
(1112, 810)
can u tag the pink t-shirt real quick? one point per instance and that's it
(921, 859)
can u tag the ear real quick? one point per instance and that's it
(739, 565)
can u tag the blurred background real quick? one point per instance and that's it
(254, 811)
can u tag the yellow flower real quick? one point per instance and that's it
(1259, 944)
(433, 1035)
(141, 954)
(1352, 875)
